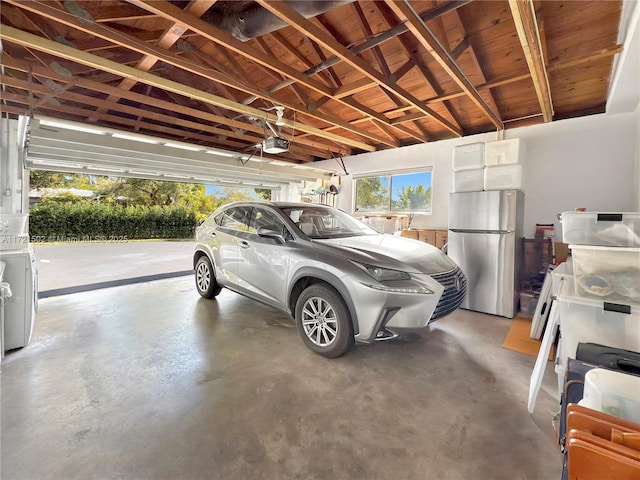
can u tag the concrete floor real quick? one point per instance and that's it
(149, 381)
(73, 266)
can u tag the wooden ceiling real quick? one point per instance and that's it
(355, 76)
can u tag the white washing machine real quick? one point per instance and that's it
(20, 308)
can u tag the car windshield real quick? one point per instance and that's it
(319, 222)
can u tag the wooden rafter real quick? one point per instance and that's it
(409, 49)
(405, 11)
(552, 67)
(91, 85)
(14, 35)
(306, 27)
(524, 17)
(168, 38)
(474, 58)
(132, 43)
(208, 31)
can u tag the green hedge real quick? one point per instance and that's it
(90, 220)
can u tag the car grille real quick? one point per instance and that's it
(455, 288)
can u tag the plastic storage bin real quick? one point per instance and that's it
(468, 180)
(589, 320)
(562, 273)
(606, 229)
(468, 157)
(528, 302)
(503, 177)
(611, 274)
(612, 392)
(504, 152)
(13, 223)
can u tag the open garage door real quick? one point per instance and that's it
(63, 146)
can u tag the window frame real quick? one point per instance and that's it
(392, 173)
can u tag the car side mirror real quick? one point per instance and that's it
(271, 231)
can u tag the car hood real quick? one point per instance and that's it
(389, 251)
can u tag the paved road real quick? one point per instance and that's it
(68, 267)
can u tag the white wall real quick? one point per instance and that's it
(636, 176)
(587, 162)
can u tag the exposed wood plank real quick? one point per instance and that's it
(460, 48)
(141, 47)
(167, 10)
(332, 73)
(476, 62)
(11, 34)
(202, 133)
(306, 27)
(382, 63)
(95, 86)
(552, 67)
(379, 40)
(168, 38)
(352, 88)
(219, 37)
(123, 12)
(417, 26)
(410, 49)
(524, 17)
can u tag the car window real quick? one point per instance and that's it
(236, 218)
(263, 217)
(317, 221)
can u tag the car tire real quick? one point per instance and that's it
(206, 279)
(323, 321)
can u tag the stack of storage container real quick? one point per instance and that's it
(468, 168)
(598, 309)
(503, 164)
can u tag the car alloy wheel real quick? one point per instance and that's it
(323, 321)
(319, 321)
(205, 278)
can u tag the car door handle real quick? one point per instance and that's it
(244, 244)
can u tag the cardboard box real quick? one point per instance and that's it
(537, 256)
(428, 236)
(561, 252)
(410, 234)
(441, 238)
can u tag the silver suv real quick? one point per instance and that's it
(341, 280)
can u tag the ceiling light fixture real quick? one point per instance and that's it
(135, 138)
(183, 146)
(220, 153)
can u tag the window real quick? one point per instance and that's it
(398, 193)
(235, 218)
(263, 217)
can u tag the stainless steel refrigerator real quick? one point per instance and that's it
(485, 232)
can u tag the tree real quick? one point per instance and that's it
(412, 199)
(371, 194)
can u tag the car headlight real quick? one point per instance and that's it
(383, 274)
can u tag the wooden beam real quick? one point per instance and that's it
(405, 11)
(552, 67)
(92, 85)
(411, 51)
(132, 43)
(460, 48)
(168, 38)
(476, 62)
(309, 29)
(25, 39)
(210, 32)
(524, 17)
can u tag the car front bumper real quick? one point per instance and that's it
(381, 314)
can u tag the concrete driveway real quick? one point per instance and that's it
(74, 267)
